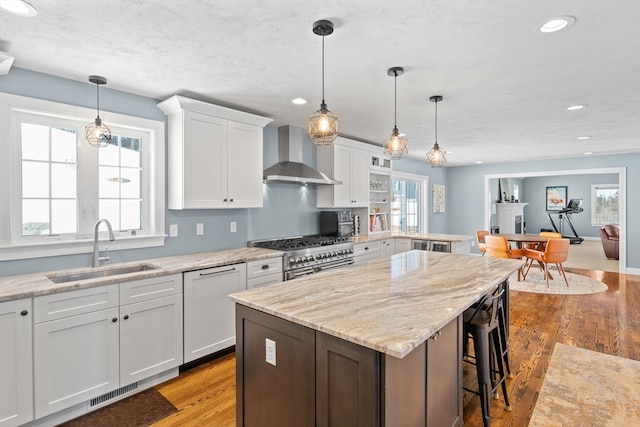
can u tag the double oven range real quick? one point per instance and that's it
(310, 254)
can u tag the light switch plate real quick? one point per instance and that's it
(173, 230)
(270, 351)
(233, 227)
(199, 229)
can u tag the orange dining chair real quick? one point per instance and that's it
(540, 246)
(498, 246)
(555, 252)
(480, 237)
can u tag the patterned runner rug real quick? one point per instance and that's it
(586, 388)
(536, 282)
(140, 410)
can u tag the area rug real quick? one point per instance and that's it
(140, 410)
(578, 285)
(586, 388)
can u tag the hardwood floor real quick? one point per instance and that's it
(608, 322)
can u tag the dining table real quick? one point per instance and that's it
(521, 239)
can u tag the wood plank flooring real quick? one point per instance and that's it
(608, 322)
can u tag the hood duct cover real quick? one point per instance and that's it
(290, 167)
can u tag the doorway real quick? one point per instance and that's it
(622, 198)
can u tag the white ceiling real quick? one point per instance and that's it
(506, 86)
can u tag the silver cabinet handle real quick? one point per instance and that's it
(218, 272)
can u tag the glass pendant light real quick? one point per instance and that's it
(436, 157)
(395, 147)
(323, 124)
(97, 133)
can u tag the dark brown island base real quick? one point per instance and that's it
(378, 344)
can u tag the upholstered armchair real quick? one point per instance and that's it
(610, 236)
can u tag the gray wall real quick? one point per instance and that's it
(578, 187)
(290, 209)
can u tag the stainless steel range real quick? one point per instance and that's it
(310, 254)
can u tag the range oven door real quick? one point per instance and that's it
(292, 274)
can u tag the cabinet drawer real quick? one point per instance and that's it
(147, 289)
(366, 248)
(264, 280)
(65, 304)
(264, 267)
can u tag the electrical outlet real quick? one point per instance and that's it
(233, 226)
(199, 229)
(173, 230)
(270, 351)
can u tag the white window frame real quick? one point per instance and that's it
(594, 199)
(424, 196)
(12, 245)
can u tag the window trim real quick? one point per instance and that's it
(594, 188)
(10, 169)
(424, 196)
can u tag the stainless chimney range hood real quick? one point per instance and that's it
(290, 167)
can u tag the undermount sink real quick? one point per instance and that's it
(74, 277)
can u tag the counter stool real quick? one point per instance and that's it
(483, 324)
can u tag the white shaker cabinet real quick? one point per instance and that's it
(349, 165)
(76, 347)
(215, 155)
(209, 313)
(388, 247)
(16, 371)
(150, 327)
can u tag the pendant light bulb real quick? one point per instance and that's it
(323, 124)
(436, 157)
(97, 133)
(395, 146)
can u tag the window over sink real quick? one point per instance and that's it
(55, 185)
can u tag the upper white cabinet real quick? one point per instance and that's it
(215, 155)
(16, 386)
(349, 164)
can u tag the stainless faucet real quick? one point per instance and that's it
(96, 253)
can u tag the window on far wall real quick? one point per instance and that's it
(604, 204)
(408, 205)
(56, 186)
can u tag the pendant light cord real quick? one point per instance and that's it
(436, 122)
(323, 68)
(98, 98)
(395, 99)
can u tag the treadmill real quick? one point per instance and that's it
(573, 207)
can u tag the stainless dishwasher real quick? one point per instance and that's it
(432, 245)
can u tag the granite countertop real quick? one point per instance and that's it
(391, 305)
(31, 285)
(414, 236)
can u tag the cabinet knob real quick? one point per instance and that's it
(265, 267)
(231, 200)
(24, 313)
(114, 320)
(224, 200)
(126, 316)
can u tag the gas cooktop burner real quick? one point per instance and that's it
(300, 242)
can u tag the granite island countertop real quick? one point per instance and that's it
(363, 238)
(31, 285)
(391, 305)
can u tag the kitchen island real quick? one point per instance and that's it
(377, 344)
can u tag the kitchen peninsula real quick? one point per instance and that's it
(377, 344)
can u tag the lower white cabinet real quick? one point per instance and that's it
(151, 329)
(388, 247)
(209, 313)
(264, 272)
(93, 341)
(16, 371)
(366, 251)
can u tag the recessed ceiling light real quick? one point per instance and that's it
(584, 137)
(588, 153)
(478, 161)
(449, 152)
(556, 24)
(18, 7)
(576, 107)
(299, 101)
